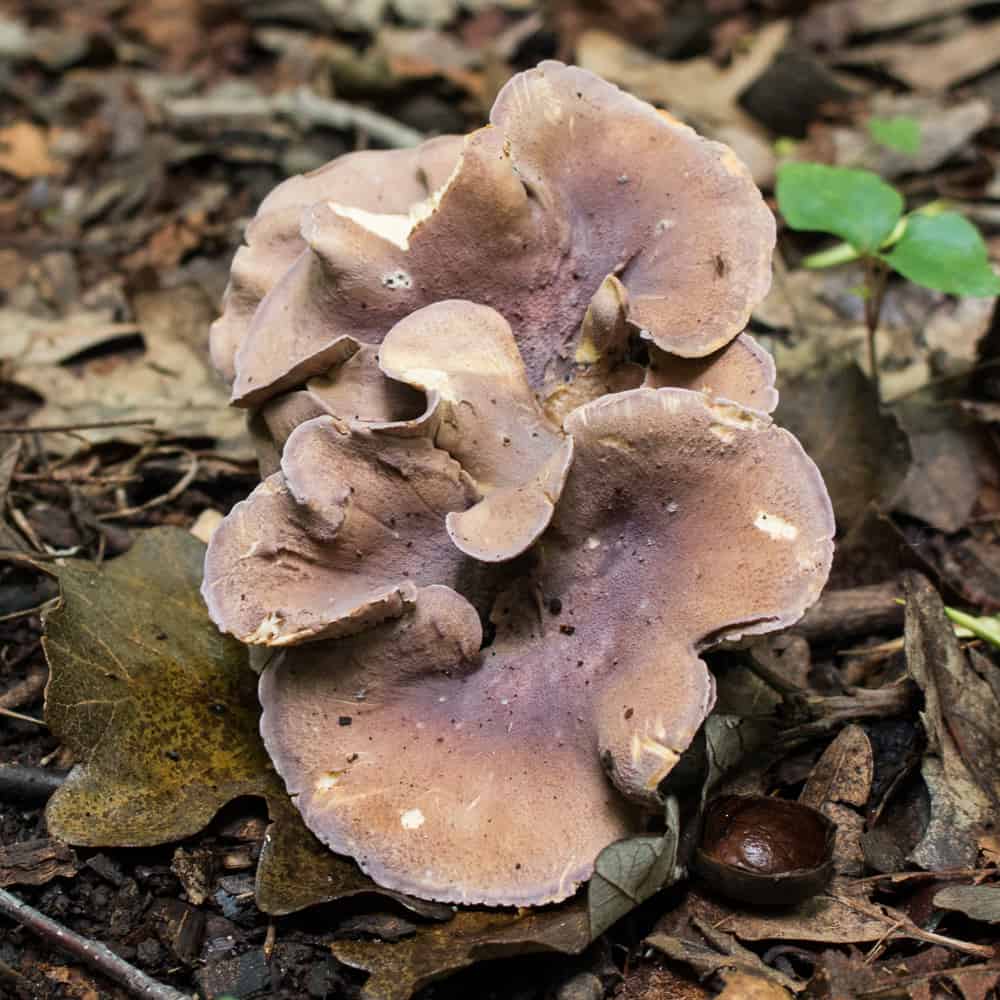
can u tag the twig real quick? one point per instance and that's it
(302, 106)
(27, 612)
(94, 953)
(909, 929)
(172, 494)
(946, 873)
(70, 428)
(11, 714)
(922, 977)
(29, 784)
(24, 692)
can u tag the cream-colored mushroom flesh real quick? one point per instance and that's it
(387, 181)
(446, 775)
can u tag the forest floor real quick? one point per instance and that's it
(137, 139)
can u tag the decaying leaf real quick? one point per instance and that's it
(861, 452)
(824, 919)
(696, 89)
(628, 872)
(161, 711)
(155, 702)
(169, 381)
(399, 970)
(962, 762)
(24, 152)
(715, 951)
(981, 902)
(839, 786)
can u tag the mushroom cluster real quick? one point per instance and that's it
(519, 472)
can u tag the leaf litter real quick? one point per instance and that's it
(123, 192)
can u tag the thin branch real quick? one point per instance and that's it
(71, 428)
(9, 713)
(94, 953)
(303, 106)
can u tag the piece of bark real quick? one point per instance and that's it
(35, 862)
(857, 611)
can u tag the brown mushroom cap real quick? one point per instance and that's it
(573, 181)
(385, 181)
(742, 371)
(354, 392)
(684, 520)
(338, 540)
(465, 358)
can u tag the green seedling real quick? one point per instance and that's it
(900, 133)
(930, 246)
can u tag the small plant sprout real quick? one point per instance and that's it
(900, 132)
(930, 246)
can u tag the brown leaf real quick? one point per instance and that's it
(696, 88)
(745, 986)
(170, 381)
(822, 919)
(980, 902)
(938, 65)
(399, 970)
(842, 778)
(24, 152)
(962, 764)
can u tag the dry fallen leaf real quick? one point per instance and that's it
(24, 152)
(962, 762)
(936, 66)
(398, 970)
(170, 380)
(696, 89)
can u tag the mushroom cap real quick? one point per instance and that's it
(683, 520)
(465, 358)
(385, 182)
(353, 392)
(742, 371)
(338, 540)
(572, 181)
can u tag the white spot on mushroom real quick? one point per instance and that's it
(397, 279)
(592, 543)
(723, 433)
(412, 819)
(777, 527)
(327, 781)
(267, 631)
(663, 225)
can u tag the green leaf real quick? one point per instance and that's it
(900, 132)
(856, 205)
(985, 627)
(628, 872)
(944, 252)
